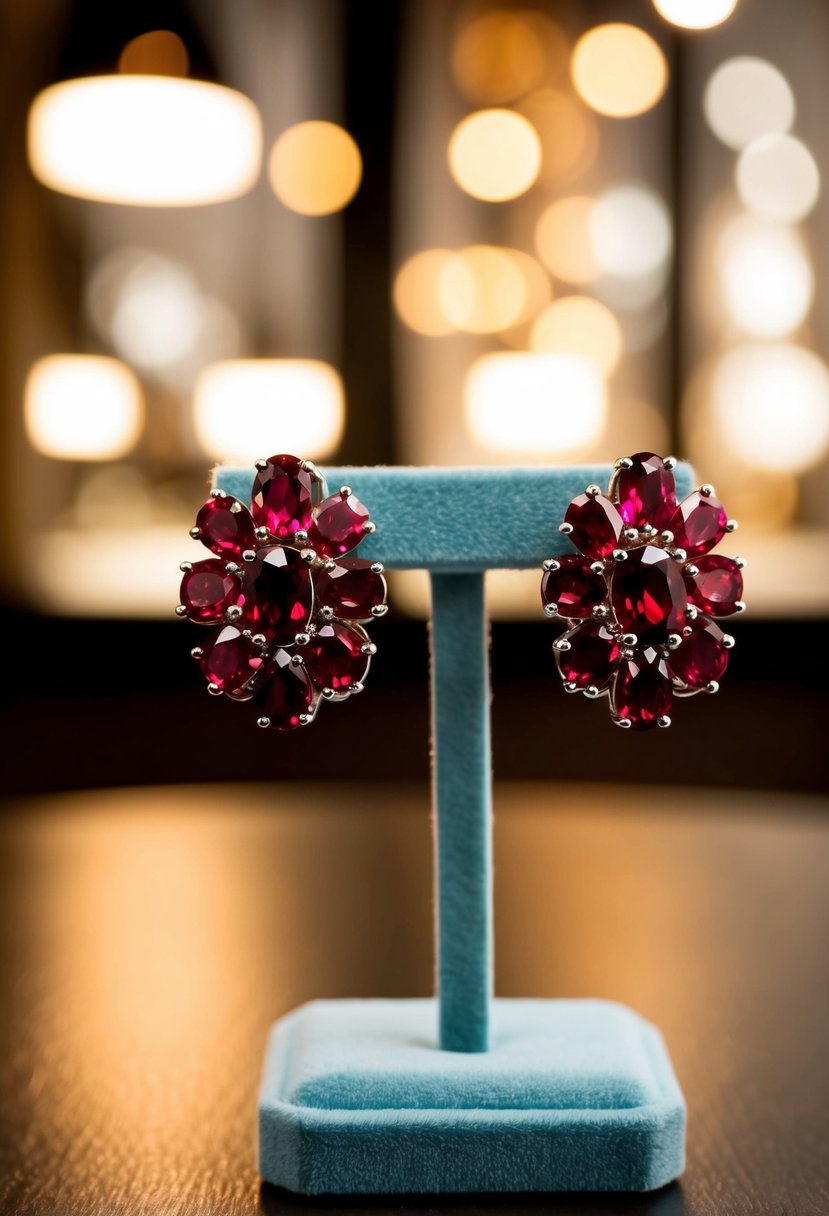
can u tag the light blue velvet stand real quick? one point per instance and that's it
(465, 1092)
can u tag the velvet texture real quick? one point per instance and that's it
(573, 1095)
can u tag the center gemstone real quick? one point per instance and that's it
(277, 595)
(649, 595)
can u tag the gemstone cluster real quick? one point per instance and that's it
(286, 593)
(640, 598)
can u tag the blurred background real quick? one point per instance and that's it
(426, 232)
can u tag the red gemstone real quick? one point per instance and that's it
(350, 589)
(282, 496)
(287, 695)
(648, 595)
(643, 691)
(339, 525)
(718, 586)
(596, 523)
(207, 590)
(699, 523)
(276, 595)
(702, 657)
(226, 526)
(573, 587)
(647, 493)
(229, 659)
(334, 657)
(592, 657)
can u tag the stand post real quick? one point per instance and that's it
(462, 801)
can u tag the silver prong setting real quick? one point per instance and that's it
(663, 722)
(379, 610)
(565, 529)
(732, 525)
(264, 723)
(728, 641)
(214, 689)
(669, 463)
(551, 565)
(181, 610)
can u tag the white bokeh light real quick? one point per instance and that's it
(630, 232)
(745, 98)
(534, 404)
(243, 407)
(771, 405)
(82, 407)
(778, 179)
(695, 14)
(766, 276)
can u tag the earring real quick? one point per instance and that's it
(286, 598)
(640, 598)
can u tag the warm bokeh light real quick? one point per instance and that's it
(534, 404)
(82, 407)
(562, 238)
(495, 154)
(156, 53)
(244, 407)
(630, 232)
(147, 140)
(486, 288)
(771, 404)
(579, 325)
(745, 98)
(777, 178)
(568, 133)
(315, 168)
(417, 293)
(766, 277)
(619, 70)
(505, 53)
(695, 14)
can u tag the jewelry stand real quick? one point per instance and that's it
(465, 1092)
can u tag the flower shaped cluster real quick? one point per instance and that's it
(285, 598)
(641, 596)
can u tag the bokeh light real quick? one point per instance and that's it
(562, 238)
(82, 407)
(416, 293)
(771, 405)
(777, 178)
(568, 133)
(488, 288)
(315, 168)
(495, 154)
(155, 53)
(579, 325)
(534, 404)
(502, 54)
(241, 404)
(695, 14)
(766, 277)
(630, 232)
(619, 70)
(148, 140)
(745, 98)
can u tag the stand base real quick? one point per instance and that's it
(573, 1096)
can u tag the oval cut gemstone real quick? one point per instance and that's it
(717, 587)
(287, 695)
(334, 657)
(648, 595)
(276, 595)
(643, 691)
(701, 658)
(647, 493)
(592, 657)
(338, 526)
(573, 587)
(226, 526)
(351, 589)
(207, 590)
(282, 496)
(699, 523)
(596, 523)
(229, 660)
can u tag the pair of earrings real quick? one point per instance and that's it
(291, 600)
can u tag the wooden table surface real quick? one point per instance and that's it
(149, 937)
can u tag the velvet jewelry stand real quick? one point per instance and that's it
(465, 1092)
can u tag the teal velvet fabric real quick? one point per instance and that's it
(460, 520)
(573, 1095)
